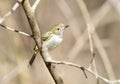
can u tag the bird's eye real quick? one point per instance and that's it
(58, 29)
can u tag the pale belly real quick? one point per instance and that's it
(53, 42)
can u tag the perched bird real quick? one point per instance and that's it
(51, 39)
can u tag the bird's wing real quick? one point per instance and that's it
(46, 36)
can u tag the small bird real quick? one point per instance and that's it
(51, 39)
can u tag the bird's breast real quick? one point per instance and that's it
(53, 42)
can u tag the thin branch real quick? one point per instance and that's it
(84, 37)
(89, 23)
(35, 5)
(14, 30)
(15, 6)
(104, 57)
(88, 70)
(78, 46)
(90, 27)
(23, 66)
(93, 64)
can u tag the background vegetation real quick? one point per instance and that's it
(16, 49)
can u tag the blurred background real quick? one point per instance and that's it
(16, 49)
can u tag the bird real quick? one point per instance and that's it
(51, 39)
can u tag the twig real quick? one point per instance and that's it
(90, 27)
(14, 30)
(22, 67)
(15, 6)
(83, 38)
(35, 4)
(94, 35)
(104, 57)
(88, 70)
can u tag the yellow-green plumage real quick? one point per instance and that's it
(51, 39)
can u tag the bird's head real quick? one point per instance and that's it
(58, 29)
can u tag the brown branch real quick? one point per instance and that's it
(15, 6)
(90, 28)
(35, 5)
(86, 69)
(104, 56)
(30, 13)
(78, 46)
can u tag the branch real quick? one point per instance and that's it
(88, 70)
(15, 6)
(30, 13)
(78, 46)
(14, 30)
(35, 4)
(95, 36)
(23, 66)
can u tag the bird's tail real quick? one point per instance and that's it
(33, 56)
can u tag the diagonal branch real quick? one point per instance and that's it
(14, 30)
(90, 27)
(83, 38)
(88, 70)
(30, 13)
(35, 4)
(94, 35)
(15, 6)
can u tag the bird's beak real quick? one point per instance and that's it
(66, 26)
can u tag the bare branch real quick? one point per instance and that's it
(104, 57)
(35, 4)
(83, 38)
(51, 67)
(14, 30)
(88, 70)
(23, 66)
(30, 13)
(15, 6)
(90, 27)
(94, 35)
